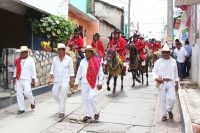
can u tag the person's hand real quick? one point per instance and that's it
(176, 87)
(49, 81)
(14, 81)
(71, 83)
(99, 87)
(76, 86)
(33, 82)
(159, 80)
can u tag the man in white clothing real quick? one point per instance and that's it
(23, 78)
(90, 70)
(165, 73)
(63, 72)
(180, 54)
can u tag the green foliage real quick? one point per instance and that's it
(90, 6)
(54, 28)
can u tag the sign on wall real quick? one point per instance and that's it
(54, 7)
(184, 34)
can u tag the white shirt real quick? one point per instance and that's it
(180, 54)
(28, 69)
(159, 69)
(82, 70)
(62, 70)
(167, 69)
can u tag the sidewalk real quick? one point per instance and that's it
(190, 103)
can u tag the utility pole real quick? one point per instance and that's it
(170, 34)
(129, 10)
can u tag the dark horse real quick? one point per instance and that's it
(135, 64)
(115, 68)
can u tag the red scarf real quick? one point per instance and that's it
(18, 68)
(92, 71)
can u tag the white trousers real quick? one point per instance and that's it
(23, 86)
(89, 99)
(167, 91)
(60, 90)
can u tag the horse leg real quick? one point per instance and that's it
(147, 83)
(108, 82)
(133, 76)
(115, 84)
(122, 85)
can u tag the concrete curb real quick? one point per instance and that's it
(185, 116)
(13, 99)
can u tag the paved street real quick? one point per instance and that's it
(135, 110)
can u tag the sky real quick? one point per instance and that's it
(151, 15)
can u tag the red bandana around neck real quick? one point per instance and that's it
(92, 71)
(18, 68)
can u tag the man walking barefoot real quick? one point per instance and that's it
(165, 73)
(63, 72)
(90, 70)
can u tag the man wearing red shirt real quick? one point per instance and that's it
(97, 43)
(76, 42)
(120, 43)
(155, 46)
(139, 45)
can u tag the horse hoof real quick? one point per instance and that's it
(108, 88)
(147, 84)
(139, 81)
(113, 93)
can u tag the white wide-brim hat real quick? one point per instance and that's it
(166, 48)
(24, 49)
(17, 51)
(60, 45)
(89, 47)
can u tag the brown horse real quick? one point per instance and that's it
(135, 65)
(115, 67)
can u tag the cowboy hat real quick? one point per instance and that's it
(166, 48)
(76, 31)
(110, 37)
(60, 45)
(117, 31)
(96, 34)
(89, 47)
(24, 48)
(135, 35)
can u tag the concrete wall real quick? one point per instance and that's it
(112, 15)
(105, 31)
(14, 30)
(195, 53)
(43, 61)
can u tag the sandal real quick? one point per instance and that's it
(170, 115)
(33, 105)
(86, 118)
(164, 118)
(20, 111)
(96, 116)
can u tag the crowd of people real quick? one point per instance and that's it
(90, 70)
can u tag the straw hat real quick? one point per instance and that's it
(24, 48)
(60, 45)
(89, 47)
(166, 48)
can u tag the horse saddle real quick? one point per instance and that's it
(119, 59)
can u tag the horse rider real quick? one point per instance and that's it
(76, 42)
(154, 46)
(139, 45)
(98, 45)
(120, 43)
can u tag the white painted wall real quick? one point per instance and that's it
(109, 14)
(55, 7)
